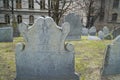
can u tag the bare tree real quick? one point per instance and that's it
(14, 22)
(56, 8)
(92, 9)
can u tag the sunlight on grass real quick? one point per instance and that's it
(88, 58)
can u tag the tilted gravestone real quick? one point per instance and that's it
(44, 56)
(6, 34)
(84, 31)
(92, 31)
(101, 34)
(111, 64)
(75, 26)
(116, 32)
(105, 30)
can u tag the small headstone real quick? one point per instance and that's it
(108, 36)
(93, 38)
(116, 32)
(111, 64)
(92, 31)
(6, 34)
(105, 30)
(101, 35)
(84, 31)
(75, 26)
(44, 56)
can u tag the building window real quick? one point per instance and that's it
(19, 19)
(18, 4)
(6, 4)
(101, 18)
(42, 4)
(31, 4)
(115, 3)
(31, 19)
(7, 19)
(114, 17)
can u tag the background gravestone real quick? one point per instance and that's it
(84, 31)
(105, 30)
(93, 38)
(101, 35)
(92, 31)
(44, 56)
(75, 26)
(116, 32)
(6, 34)
(111, 64)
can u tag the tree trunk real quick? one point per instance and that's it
(56, 11)
(89, 16)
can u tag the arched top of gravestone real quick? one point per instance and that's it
(92, 31)
(84, 31)
(72, 18)
(75, 23)
(101, 34)
(45, 34)
(105, 30)
(93, 28)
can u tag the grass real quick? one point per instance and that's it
(88, 58)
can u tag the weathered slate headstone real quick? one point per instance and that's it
(111, 64)
(75, 26)
(84, 31)
(116, 32)
(93, 38)
(105, 30)
(92, 31)
(101, 35)
(6, 34)
(44, 56)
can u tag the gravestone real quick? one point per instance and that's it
(6, 34)
(92, 31)
(111, 64)
(101, 34)
(108, 36)
(93, 38)
(44, 56)
(105, 30)
(116, 32)
(75, 26)
(84, 31)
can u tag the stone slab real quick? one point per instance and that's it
(101, 35)
(105, 30)
(75, 26)
(84, 31)
(92, 31)
(44, 56)
(111, 64)
(6, 34)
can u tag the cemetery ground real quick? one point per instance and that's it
(89, 57)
